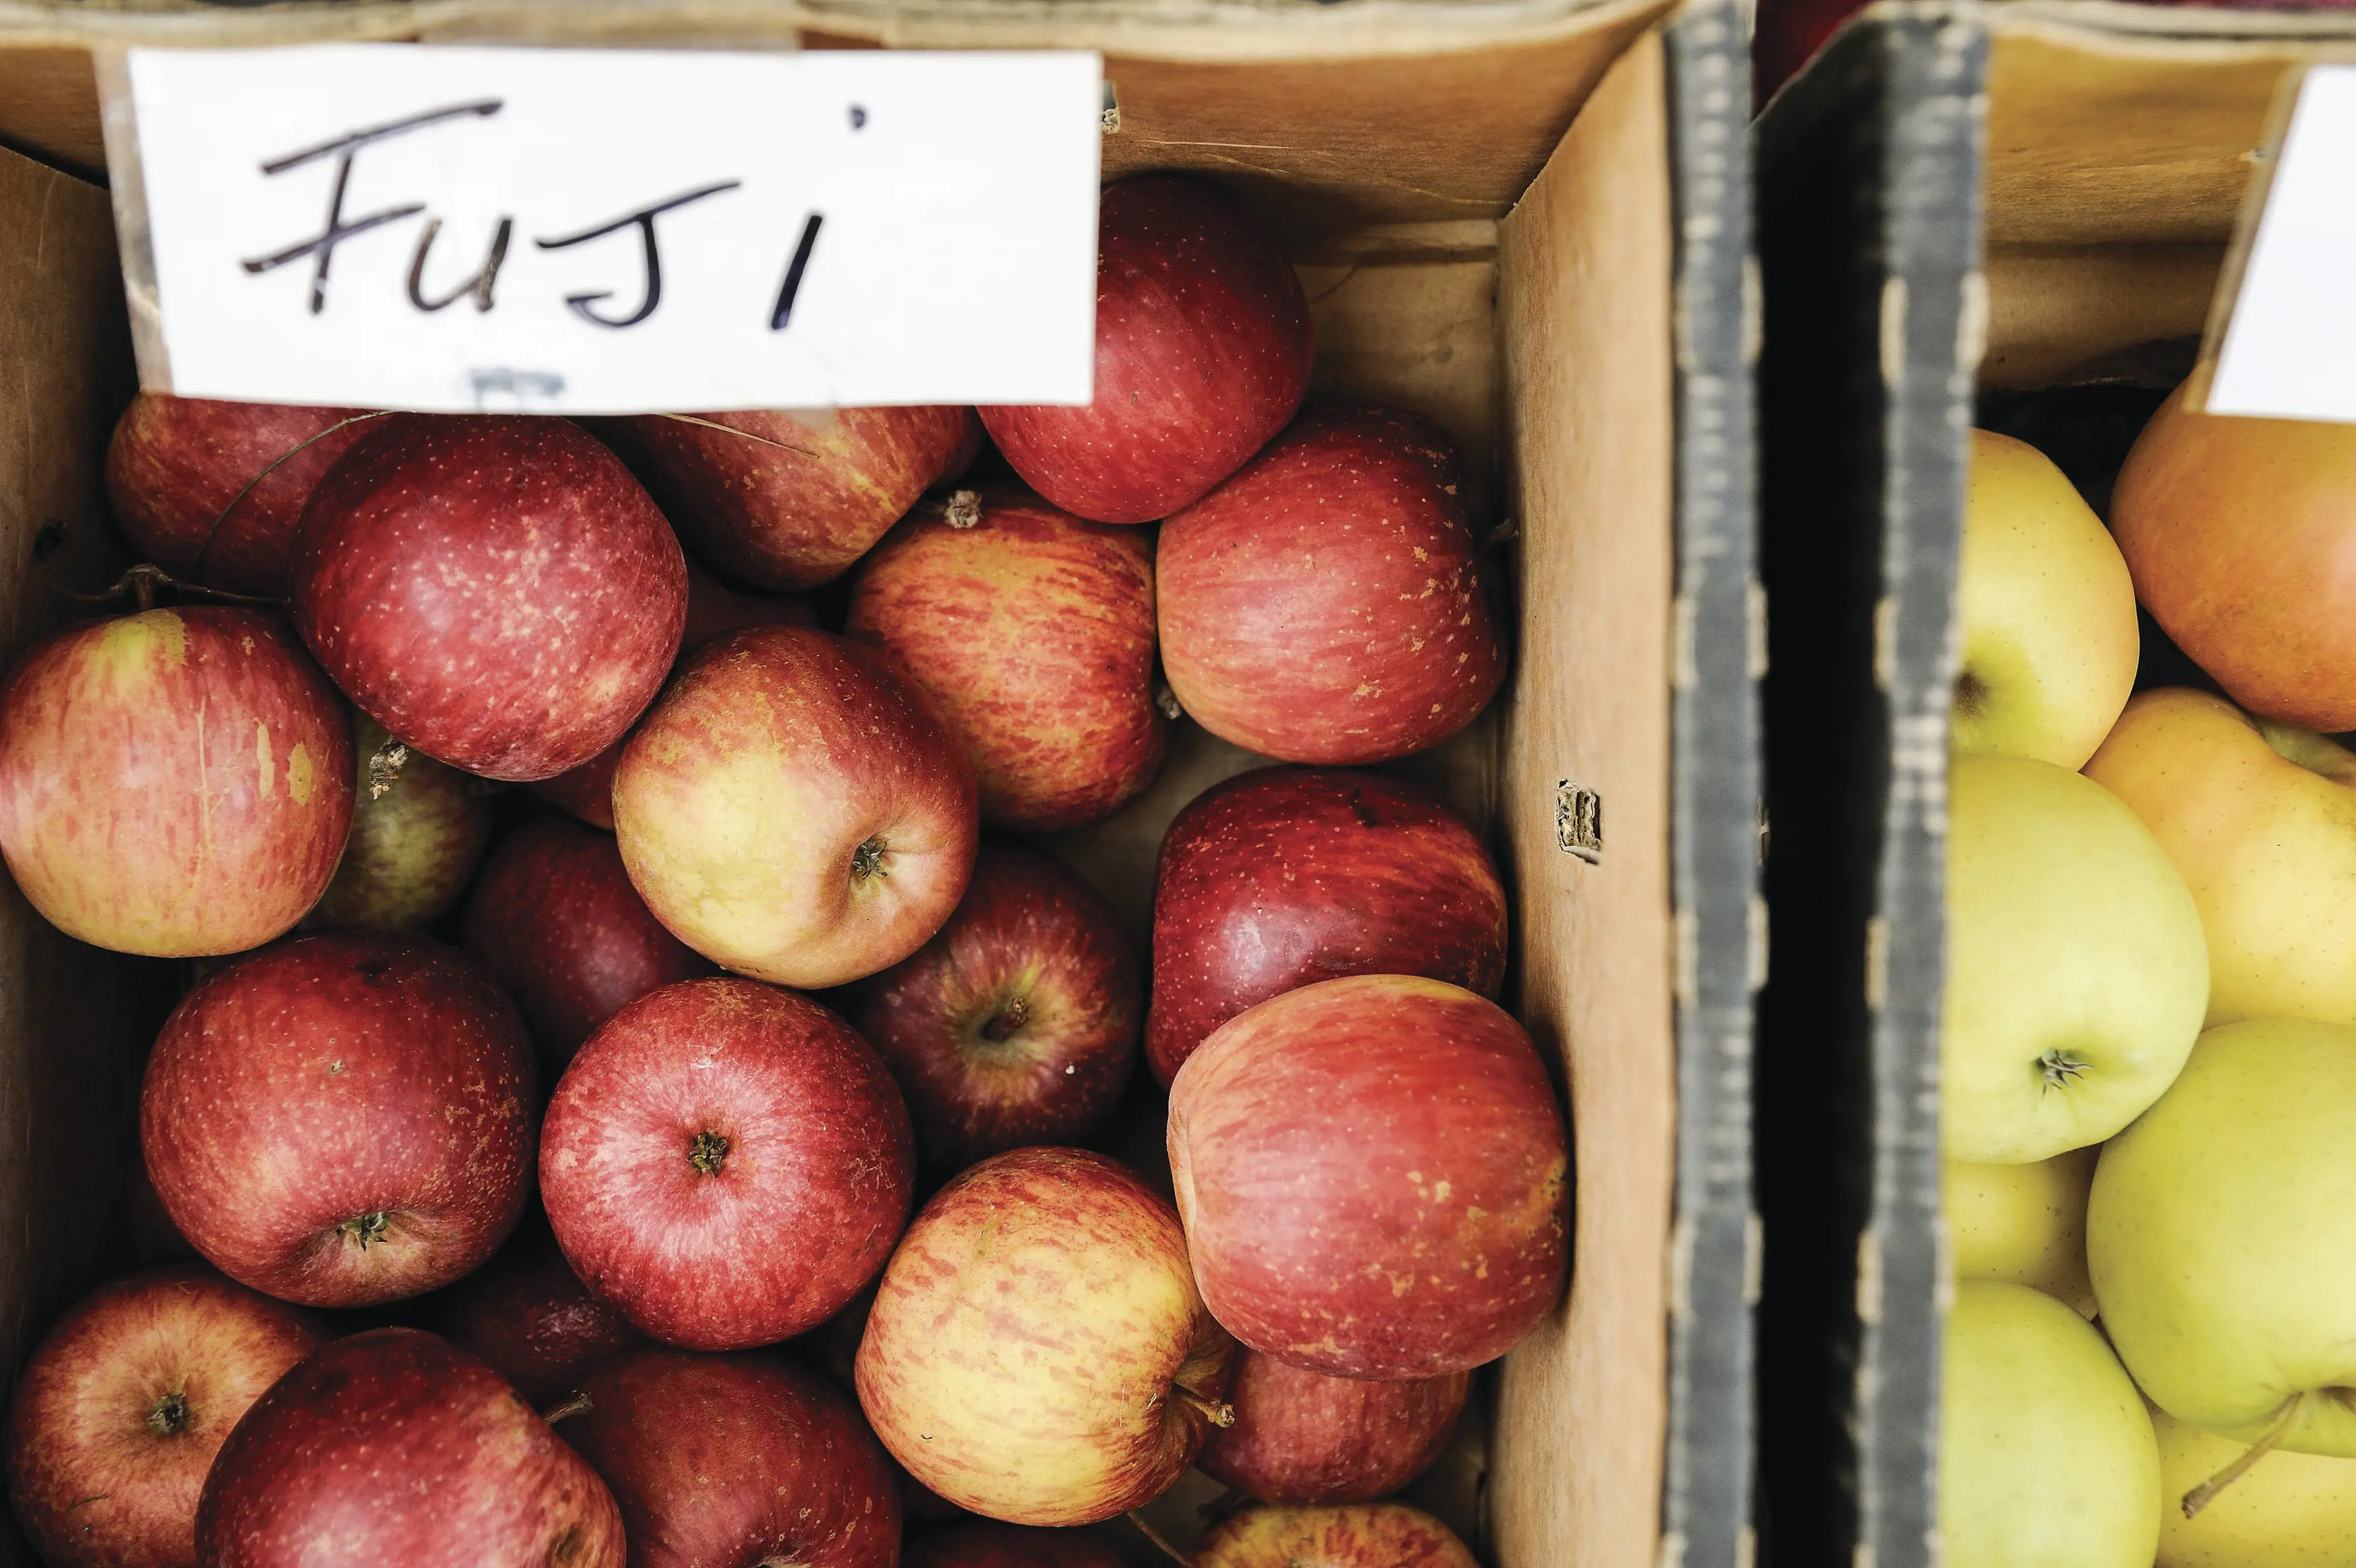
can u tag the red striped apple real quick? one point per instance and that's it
(1203, 349)
(1372, 1175)
(555, 921)
(1037, 1352)
(413, 847)
(1285, 876)
(1036, 631)
(118, 1414)
(212, 492)
(1362, 1535)
(176, 783)
(1017, 1023)
(747, 1458)
(1303, 1438)
(796, 809)
(1325, 604)
(495, 590)
(394, 1446)
(986, 1543)
(706, 1115)
(791, 498)
(714, 609)
(342, 1119)
(531, 1320)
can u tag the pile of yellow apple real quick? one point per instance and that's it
(2148, 1103)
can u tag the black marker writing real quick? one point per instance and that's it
(794, 271)
(644, 217)
(479, 285)
(337, 229)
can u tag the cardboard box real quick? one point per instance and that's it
(1528, 218)
(1958, 206)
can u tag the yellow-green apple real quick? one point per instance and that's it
(796, 808)
(1373, 1176)
(2047, 610)
(118, 1414)
(416, 836)
(2261, 821)
(2024, 1223)
(1354, 1535)
(530, 1318)
(395, 1446)
(2295, 1510)
(343, 1119)
(554, 918)
(1284, 875)
(2238, 534)
(212, 492)
(2046, 1456)
(2076, 971)
(1303, 1438)
(1036, 631)
(1017, 1023)
(1203, 348)
(1037, 1351)
(986, 1543)
(747, 1458)
(789, 497)
(707, 1112)
(493, 589)
(109, 825)
(1325, 604)
(2221, 1235)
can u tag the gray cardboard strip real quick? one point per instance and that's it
(1870, 202)
(1705, 1509)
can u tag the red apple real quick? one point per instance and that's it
(211, 492)
(726, 1164)
(394, 1446)
(554, 918)
(1359, 1535)
(118, 1414)
(1324, 606)
(789, 497)
(1035, 630)
(495, 590)
(986, 1543)
(1037, 1351)
(1285, 876)
(1203, 349)
(415, 840)
(176, 783)
(796, 809)
(342, 1119)
(712, 609)
(1372, 1175)
(747, 1459)
(1304, 1437)
(1017, 1023)
(530, 1318)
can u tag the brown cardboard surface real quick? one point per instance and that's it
(1584, 319)
(2053, 308)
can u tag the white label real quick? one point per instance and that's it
(606, 231)
(2289, 349)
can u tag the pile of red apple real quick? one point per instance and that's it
(533, 1171)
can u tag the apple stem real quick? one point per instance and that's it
(1137, 1518)
(282, 459)
(2202, 1496)
(1218, 1413)
(740, 434)
(575, 1403)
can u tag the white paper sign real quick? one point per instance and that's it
(587, 230)
(2289, 349)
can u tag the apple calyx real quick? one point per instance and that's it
(2060, 1067)
(367, 1230)
(1009, 1020)
(1217, 1411)
(963, 509)
(707, 1151)
(384, 766)
(2202, 1496)
(867, 860)
(1971, 695)
(169, 1416)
